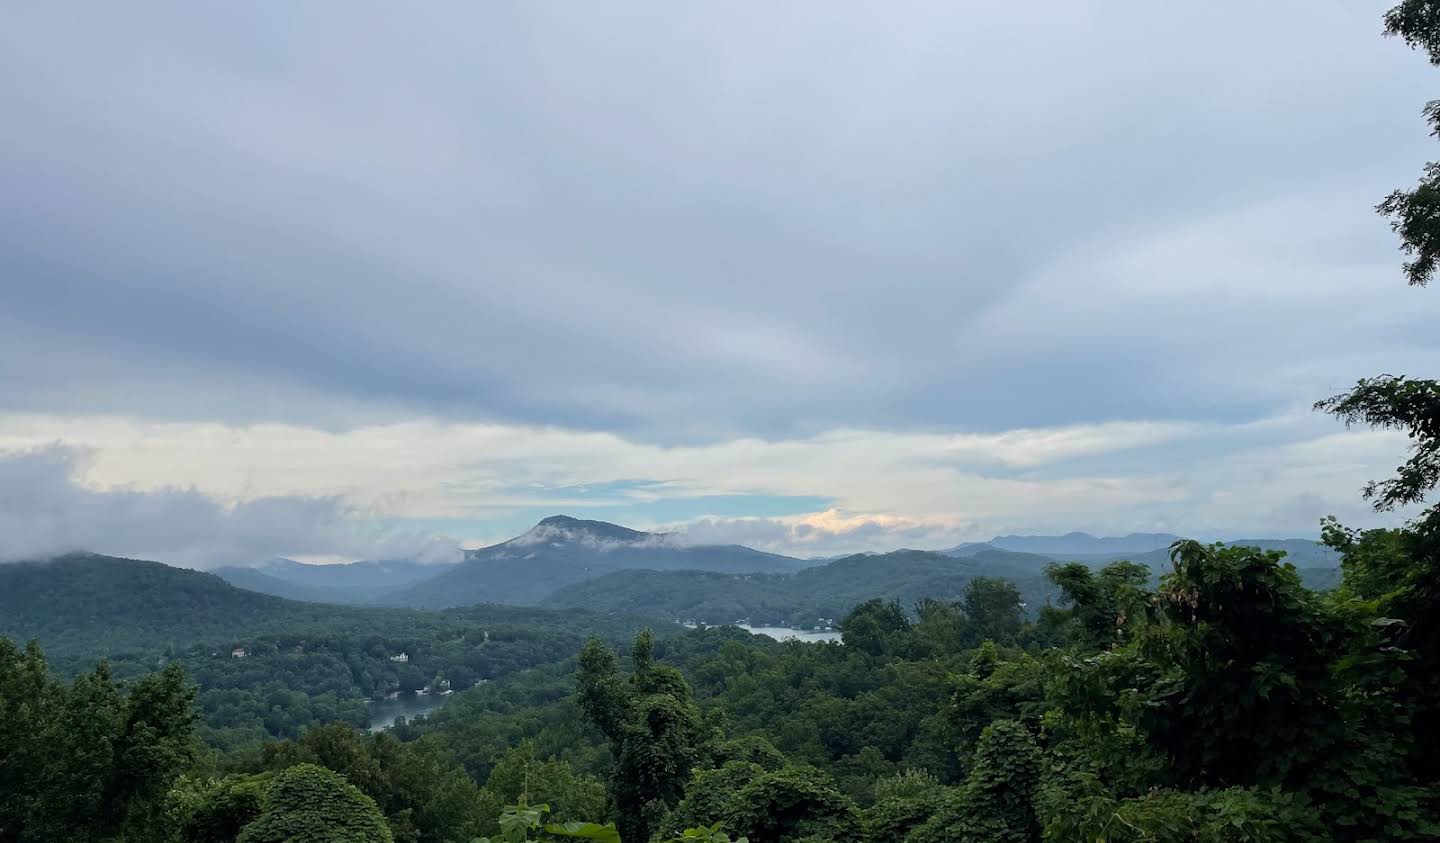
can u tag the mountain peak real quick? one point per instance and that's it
(564, 528)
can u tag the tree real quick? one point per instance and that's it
(994, 688)
(997, 802)
(874, 626)
(941, 628)
(423, 792)
(1245, 661)
(520, 776)
(903, 802)
(215, 811)
(28, 700)
(1080, 809)
(1397, 403)
(89, 760)
(994, 608)
(154, 743)
(521, 820)
(1415, 213)
(1400, 569)
(793, 803)
(656, 733)
(711, 794)
(308, 802)
(1102, 606)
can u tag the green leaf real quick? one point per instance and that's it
(585, 831)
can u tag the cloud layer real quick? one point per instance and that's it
(699, 223)
(828, 280)
(45, 512)
(297, 490)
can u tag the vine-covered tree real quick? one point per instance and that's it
(308, 802)
(997, 802)
(655, 730)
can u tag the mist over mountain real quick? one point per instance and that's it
(1084, 543)
(552, 561)
(1152, 549)
(353, 582)
(561, 550)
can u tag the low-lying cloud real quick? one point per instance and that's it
(46, 511)
(827, 533)
(206, 493)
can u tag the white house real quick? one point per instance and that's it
(402, 658)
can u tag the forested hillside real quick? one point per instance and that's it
(1125, 713)
(353, 582)
(268, 667)
(813, 597)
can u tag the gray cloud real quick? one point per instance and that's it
(693, 222)
(44, 512)
(828, 533)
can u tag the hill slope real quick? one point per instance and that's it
(353, 582)
(84, 607)
(1084, 543)
(253, 579)
(805, 597)
(560, 551)
(1302, 553)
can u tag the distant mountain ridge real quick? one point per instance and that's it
(561, 550)
(355, 583)
(1077, 542)
(81, 602)
(551, 562)
(1151, 549)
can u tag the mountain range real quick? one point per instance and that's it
(1152, 549)
(357, 583)
(89, 604)
(569, 562)
(561, 550)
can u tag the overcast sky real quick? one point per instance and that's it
(340, 280)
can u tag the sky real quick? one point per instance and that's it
(358, 280)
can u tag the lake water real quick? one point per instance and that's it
(383, 713)
(780, 633)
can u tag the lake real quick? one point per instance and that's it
(780, 633)
(383, 713)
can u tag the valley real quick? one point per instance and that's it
(270, 665)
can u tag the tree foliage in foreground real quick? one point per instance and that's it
(91, 759)
(654, 727)
(308, 802)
